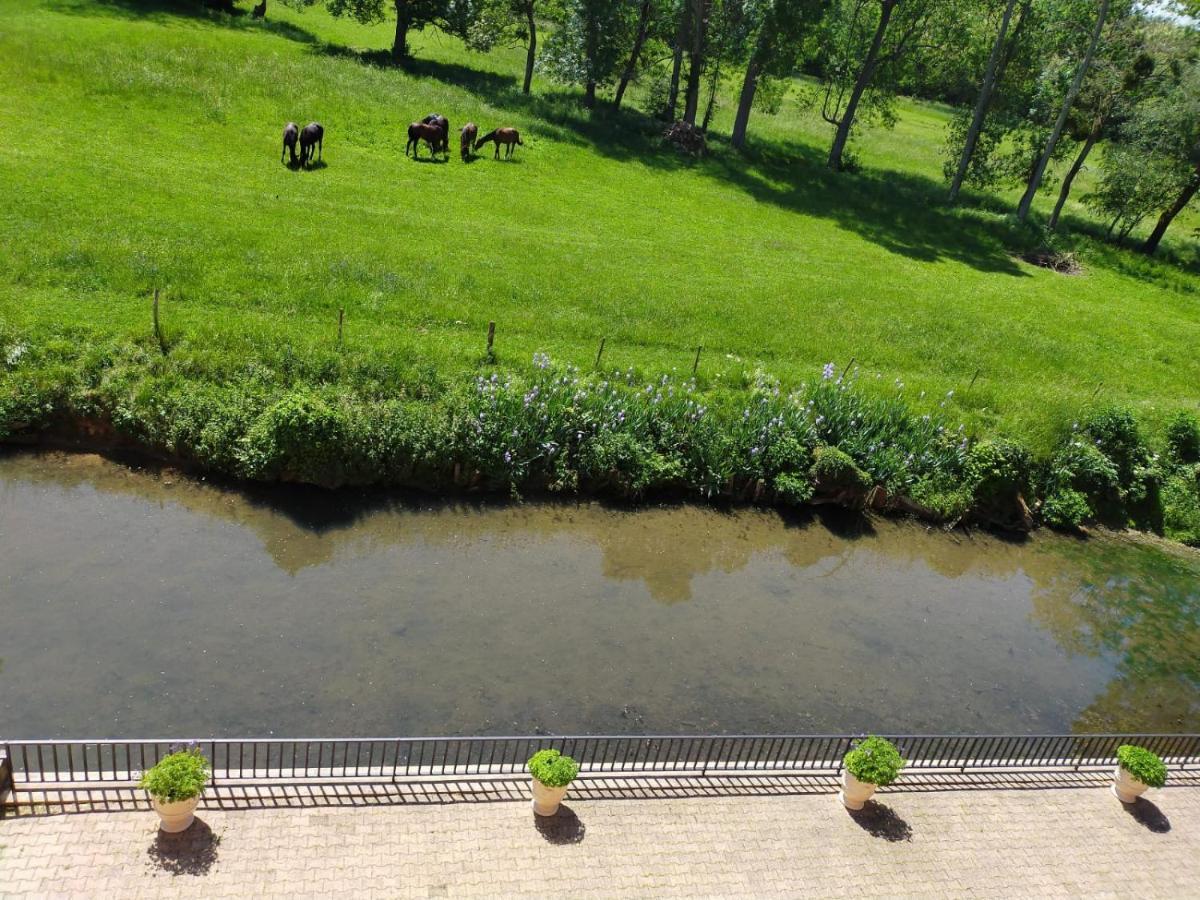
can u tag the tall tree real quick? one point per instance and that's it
(641, 32)
(493, 22)
(697, 33)
(1039, 170)
(778, 29)
(586, 46)
(864, 46)
(990, 78)
(410, 14)
(1118, 81)
(1176, 120)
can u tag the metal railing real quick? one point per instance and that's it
(48, 765)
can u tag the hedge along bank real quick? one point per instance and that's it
(549, 428)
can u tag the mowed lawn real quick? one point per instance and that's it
(141, 148)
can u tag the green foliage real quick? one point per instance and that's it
(178, 776)
(999, 471)
(1181, 507)
(1143, 765)
(1066, 509)
(553, 769)
(793, 490)
(1183, 437)
(874, 760)
(834, 470)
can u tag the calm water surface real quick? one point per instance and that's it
(138, 603)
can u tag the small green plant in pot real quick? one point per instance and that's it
(175, 784)
(551, 772)
(873, 762)
(1137, 769)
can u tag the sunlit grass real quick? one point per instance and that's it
(141, 151)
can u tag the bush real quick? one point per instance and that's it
(178, 776)
(874, 760)
(834, 470)
(1065, 509)
(1143, 765)
(553, 769)
(1183, 438)
(1181, 509)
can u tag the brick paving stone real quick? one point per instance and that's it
(706, 838)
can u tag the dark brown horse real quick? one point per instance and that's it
(510, 137)
(443, 123)
(312, 135)
(467, 139)
(259, 11)
(291, 134)
(433, 135)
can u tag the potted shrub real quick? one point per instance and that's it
(551, 772)
(175, 784)
(874, 762)
(1137, 769)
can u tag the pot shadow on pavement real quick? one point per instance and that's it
(190, 852)
(880, 820)
(564, 827)
(1146, 813)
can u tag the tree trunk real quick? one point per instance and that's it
(400, 43)
(981, 105)
(531, 54)
(695, 60)
(712, 96)
(865, 74)
(589, 95)
(749, 86)
(676, 68)
(1035, 180)
(1168, 216)
(634, 54)
(1093, 136)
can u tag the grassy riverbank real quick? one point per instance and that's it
(141, 144)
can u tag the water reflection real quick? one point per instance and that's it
(144, 601)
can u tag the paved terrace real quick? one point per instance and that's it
(963, 836)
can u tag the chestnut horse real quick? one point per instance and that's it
(291, 134)
(433, 135)
(467, 139)
(508, 136)
(313, 135)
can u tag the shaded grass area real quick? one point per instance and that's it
(142, 153)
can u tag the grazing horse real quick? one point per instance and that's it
(509, 136)
(440, 121)
(291, 134)
(469, 131)
(433, 135)
(312, 135)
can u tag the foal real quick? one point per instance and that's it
(467, 139)
(291, 133)
(508, 136)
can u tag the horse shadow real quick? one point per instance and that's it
(437, 160)
(315, 166)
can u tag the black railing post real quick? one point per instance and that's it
(7, 784)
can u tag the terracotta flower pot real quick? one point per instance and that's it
(177, 816)
(546, 799)
(1126, 787)
(854, 793)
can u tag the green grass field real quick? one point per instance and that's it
(141, 149)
